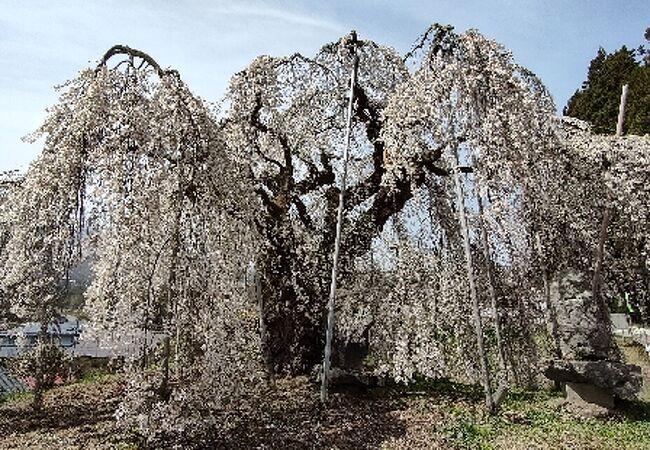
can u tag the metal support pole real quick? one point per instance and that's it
(485, 244)
(339, 222)
(621, 111)
(476, 312)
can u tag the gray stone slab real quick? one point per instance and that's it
(579, 393)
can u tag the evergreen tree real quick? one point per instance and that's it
(597, 101)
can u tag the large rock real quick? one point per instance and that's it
(620, 379)
(582, 331)
(588, 400)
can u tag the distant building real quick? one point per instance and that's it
(68, 333)
(65, 332)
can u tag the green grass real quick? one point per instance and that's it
(531, 422)
(527, 420)
(16, 397)
(94, 376)
(464, 431)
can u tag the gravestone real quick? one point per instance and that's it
(591, 364)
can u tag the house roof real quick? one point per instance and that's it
(10, 384)
(66, 326)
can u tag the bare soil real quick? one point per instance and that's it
(442, 415)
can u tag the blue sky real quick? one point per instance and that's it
(44, 43)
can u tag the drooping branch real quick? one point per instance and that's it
(134, 53)
(432, 40)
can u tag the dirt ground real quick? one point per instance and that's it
(74, 416)
(438, 416)
(290, 416)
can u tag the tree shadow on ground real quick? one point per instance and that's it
(292, 417)
(351, 420)
(442, 389)
(64, 407)
(633, 410)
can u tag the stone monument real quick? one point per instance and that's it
(591, 365)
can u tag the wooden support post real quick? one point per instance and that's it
(599, 257)
(165, 391)
(596, 282)
(264, 334)
(339, 223)
(551, 314)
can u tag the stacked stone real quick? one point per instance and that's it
(591, 365)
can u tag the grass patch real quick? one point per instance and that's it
(15, 397)
(94, 376)
(464, 431)
(526, 420)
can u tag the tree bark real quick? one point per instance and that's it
(165, 390)
(597, 281)
(40, 372)
(293, 320)
(296, 341)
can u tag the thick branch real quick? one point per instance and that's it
(303, 215)
(316, 178)
(134, 53)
